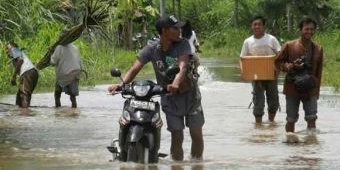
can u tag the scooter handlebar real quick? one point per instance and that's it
(158, 90)
(126, 89)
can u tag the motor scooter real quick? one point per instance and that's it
(140, 122)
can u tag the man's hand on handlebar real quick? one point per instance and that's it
(114, 88)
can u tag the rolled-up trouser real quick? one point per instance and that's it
(309, 106)
(28, 81)
(265, 89)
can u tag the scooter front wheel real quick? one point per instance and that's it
(135, 152)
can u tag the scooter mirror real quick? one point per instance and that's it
(115, 72)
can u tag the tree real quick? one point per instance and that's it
(128, 12)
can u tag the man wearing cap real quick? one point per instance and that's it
(183, 105)
(28, 74)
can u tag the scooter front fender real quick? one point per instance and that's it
(135, 133)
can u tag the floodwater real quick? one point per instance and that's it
(76, 139)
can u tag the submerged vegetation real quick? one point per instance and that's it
(221, 24)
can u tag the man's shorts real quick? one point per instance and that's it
(177, 122)
(70, 89)
(183, 109)
(309, 106)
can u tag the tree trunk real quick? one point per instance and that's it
(237, 2)
(127, 34)
(289, 18)
(174, 7)
(161, 7)
(179, 9)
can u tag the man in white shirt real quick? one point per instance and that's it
(67, 60)
(189, 34)
(262, 44)
(28, 74)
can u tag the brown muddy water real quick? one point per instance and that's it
(46, 138)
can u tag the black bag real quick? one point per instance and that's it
(303, 82)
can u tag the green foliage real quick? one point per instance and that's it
(5, 74)
(228, 42)
(330, 42)
(130, 17)
(215, 12)
(100, 57)
(23, 18)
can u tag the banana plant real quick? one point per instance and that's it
(94, 13)
(125, 13)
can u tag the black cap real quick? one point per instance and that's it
(167, 21)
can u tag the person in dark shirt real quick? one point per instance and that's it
(183, 105)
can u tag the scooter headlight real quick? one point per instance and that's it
(141, 91)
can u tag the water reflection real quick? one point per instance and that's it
(265, 132)
(219, 70)
(27, 112)
(128, 166)
(302, 162)
(296, 139)
(190, 166)
(162, 166)
(311, 140)
(67, 112)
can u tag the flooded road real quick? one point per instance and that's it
(74, 139)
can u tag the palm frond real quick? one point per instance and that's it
(73, 34)
(96, 13)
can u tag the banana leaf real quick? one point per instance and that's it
(73, 34)
(96, 12)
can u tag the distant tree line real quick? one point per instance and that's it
(128, 17)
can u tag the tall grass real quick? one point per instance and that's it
(99, 59)
(225, 44)
(331, 71)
